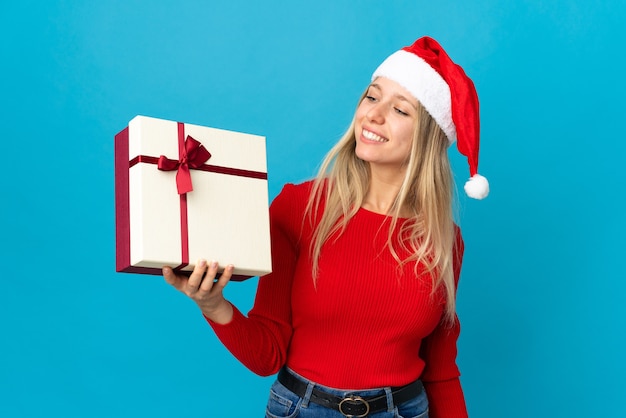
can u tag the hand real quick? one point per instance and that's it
(202, 288)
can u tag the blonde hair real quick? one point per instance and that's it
(426, 194)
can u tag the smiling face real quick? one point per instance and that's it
(385, 122)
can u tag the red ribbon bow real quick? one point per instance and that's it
(193, 155)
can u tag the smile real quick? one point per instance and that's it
(373, 137)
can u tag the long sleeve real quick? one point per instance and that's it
(439, 352)
(260, 341)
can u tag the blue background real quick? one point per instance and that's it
(541, 294)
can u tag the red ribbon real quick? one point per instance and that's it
(192, 155)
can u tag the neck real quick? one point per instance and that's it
(383, 190)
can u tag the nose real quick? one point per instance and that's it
(376, 113)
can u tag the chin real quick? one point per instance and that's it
(362, 155)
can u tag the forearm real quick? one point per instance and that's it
(258, 344)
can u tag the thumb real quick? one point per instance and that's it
(172, 278)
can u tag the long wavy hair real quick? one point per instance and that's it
(426, 195)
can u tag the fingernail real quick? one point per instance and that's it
(214, 264)
(201, 262)
(230, 267)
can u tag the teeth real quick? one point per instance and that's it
(373, 137)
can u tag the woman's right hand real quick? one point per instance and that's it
(203, 289)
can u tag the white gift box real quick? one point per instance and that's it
(224, 218)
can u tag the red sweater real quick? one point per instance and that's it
(366, 324)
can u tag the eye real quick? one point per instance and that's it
(400, 111)
(370, 98)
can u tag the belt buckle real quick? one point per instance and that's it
(354, 399)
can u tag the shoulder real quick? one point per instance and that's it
(291, 203)
(297, 189)
(288, 210)
(293, 194)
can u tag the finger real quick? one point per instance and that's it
(207, 283)
(224, 278)
(195, 278)
(171, 278)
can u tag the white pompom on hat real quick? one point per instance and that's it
(426, 71)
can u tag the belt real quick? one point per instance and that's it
(350, 406)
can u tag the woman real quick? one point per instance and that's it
(358, 316)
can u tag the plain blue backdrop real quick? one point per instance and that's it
(541, 294)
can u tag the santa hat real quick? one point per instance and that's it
(447, 93)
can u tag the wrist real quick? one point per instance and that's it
(221, 314)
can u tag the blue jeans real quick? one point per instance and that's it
(285, 404)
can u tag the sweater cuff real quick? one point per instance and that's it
(445, 399)
(232, 332)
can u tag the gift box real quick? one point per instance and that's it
(185, 192)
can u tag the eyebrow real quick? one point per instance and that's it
(397, 96)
